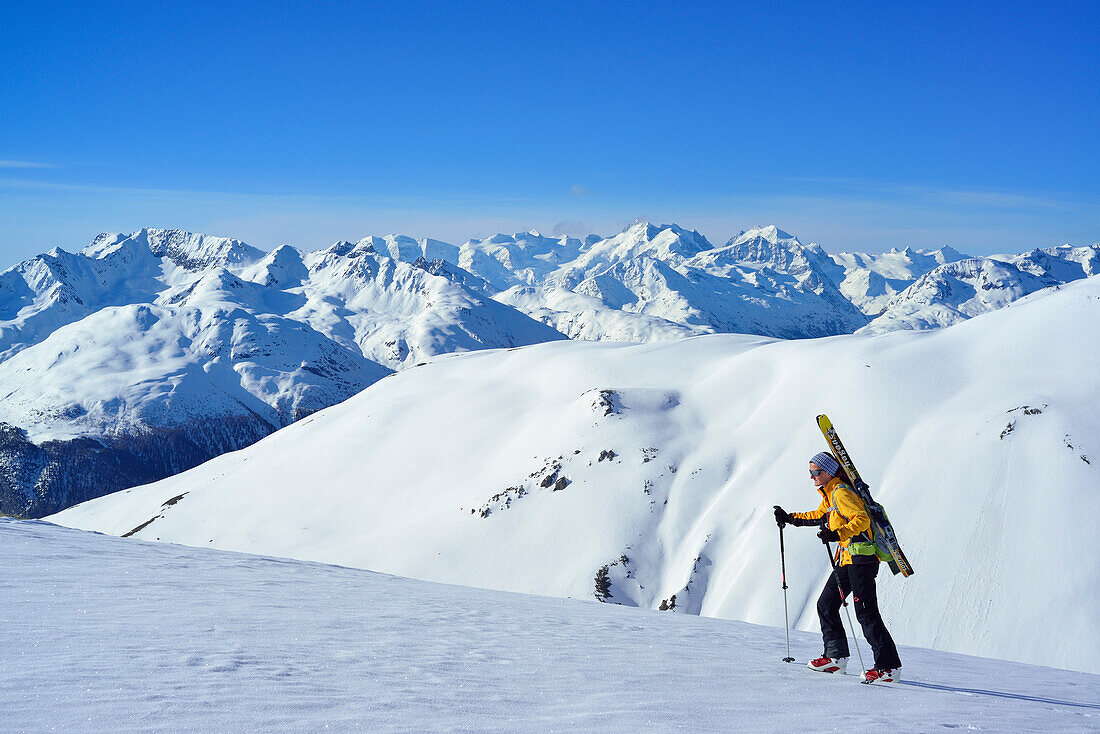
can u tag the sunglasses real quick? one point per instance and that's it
(816, 472)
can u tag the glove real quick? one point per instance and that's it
(828, 536)
(782, 517)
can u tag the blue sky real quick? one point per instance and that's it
(860, 126)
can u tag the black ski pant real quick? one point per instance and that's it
(857, 579)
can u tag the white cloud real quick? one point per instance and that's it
(921, 194)
(27, 164)
(570, 228)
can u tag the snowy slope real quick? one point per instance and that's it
(588, 317)
(656, 466)
(166, 638)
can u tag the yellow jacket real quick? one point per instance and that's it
(846, 513)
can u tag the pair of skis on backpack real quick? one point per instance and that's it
(883, 531)
(839, 666)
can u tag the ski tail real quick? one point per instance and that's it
(880, 523)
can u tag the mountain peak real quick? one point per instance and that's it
(188, 250)
(770, 233)
(670, 238)
(642, 228)
(282, 268)
(768, 238)
(103, 243)
(341, 248)
(950, 253)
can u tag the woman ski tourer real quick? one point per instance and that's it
(846, 521)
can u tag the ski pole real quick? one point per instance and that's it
(843, 603)
(786, 619)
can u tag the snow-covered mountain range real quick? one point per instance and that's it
(645, 475)
(145, 354)
(956, 291)
(652, 282)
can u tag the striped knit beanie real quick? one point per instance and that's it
(826, 462)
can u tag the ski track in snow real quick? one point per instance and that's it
(105, 634)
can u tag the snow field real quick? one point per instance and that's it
(105, 634)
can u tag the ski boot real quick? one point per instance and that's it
(825, 664)
(874, 675)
